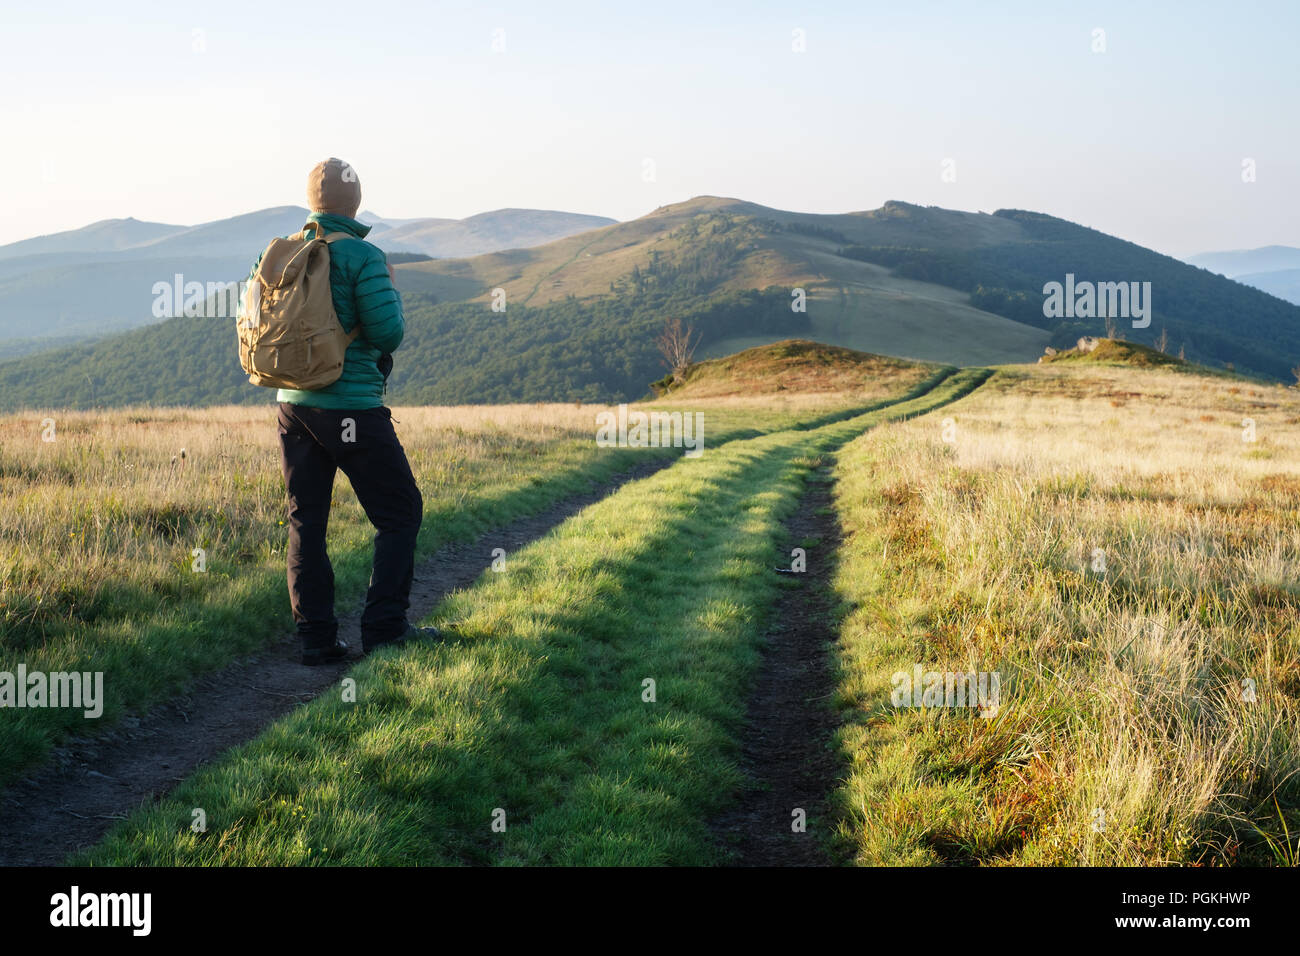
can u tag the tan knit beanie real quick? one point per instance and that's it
(333, 187)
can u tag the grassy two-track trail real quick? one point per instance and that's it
(1111, 534)
(101, 526)
(586, 709)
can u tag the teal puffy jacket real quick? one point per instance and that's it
(363, 292)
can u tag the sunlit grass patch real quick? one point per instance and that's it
(1130, 575)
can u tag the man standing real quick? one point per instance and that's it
(345, 426)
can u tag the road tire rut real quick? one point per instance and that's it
(788, 757)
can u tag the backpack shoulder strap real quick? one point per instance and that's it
(319, 233)
(330, 237)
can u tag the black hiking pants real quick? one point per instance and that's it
(314, 444)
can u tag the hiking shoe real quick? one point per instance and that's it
(412, 633)
(330, 654)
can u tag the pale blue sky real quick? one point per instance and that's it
(123, 109)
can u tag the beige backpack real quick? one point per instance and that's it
(289, 333)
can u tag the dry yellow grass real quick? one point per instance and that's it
(800, 372)
(120, 498)
(1122, 546)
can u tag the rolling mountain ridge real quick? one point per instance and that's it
(85, 283)
(581, 313)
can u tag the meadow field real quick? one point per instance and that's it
(98, 530)
(102, 513)
(1116, 543)
(1122, 545)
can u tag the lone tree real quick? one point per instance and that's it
(677, 344)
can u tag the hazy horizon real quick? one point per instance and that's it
(396, 218)
(447, 111)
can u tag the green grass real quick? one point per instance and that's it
(536, 708)
(855, 308)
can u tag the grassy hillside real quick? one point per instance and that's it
(796, 367)
(776, 244)
(1206, 317)
(1118, 352)
(595, 350)
(923, 283)
(714, 269)
(849, 302)
(581, 314)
